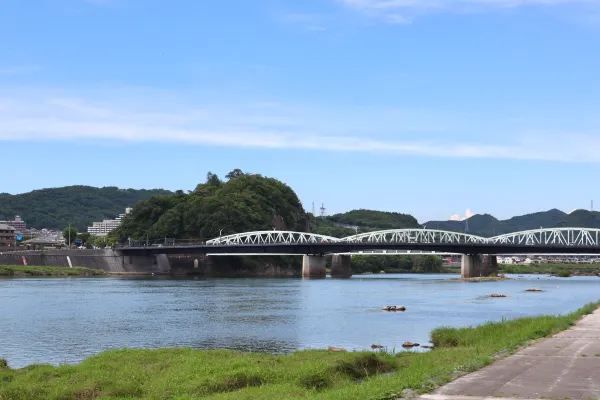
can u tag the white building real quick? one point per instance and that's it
(108, 225)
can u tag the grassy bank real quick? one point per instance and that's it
(29, 271)
(552, 269)
(219, 374)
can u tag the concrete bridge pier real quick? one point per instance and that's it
(313, 266)
(490, 265)
(477, 265)
(341, 266)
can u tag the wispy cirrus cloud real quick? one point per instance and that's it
(52, 116)
(11, 70)
(308, 21)
(402, 11)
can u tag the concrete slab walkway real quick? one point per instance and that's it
(564, 366)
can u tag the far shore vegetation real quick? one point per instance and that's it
(562, 270)
(47, 271)
(316, 374)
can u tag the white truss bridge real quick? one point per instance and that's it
(551, 237)
(271, 237)
(566, 237)
(429, 236)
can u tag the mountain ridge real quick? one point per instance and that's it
(78, 205)
(487, 225)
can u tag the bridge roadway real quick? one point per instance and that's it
(479, 253)
(351, 247)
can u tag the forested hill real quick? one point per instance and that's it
(487, 225)
(240, 203)
(76, 205)
(350, 222)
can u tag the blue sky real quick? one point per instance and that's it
(427, 107)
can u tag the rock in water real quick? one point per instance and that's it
(394, 308)
(408, 345)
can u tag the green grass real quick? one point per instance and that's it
(562, 270)
(28, 271)
(220, 374)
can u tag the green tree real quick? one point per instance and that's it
(236, 173)
(85, 237)
(213, 179)
(69, 234)
(427, 263)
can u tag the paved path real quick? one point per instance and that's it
(565, 366)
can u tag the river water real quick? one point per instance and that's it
(65, 320)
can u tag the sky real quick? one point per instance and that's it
(435, 108)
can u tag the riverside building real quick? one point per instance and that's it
(106, 226)
(7, 236)
(17, 223)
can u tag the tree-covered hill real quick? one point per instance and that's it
(348, 223)
(76, 205)
(243, 202)
(375, 219)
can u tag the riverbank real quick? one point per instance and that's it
(21, 271)
(563, 270)
(188, 373)
(565, 365)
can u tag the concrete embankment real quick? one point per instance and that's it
(565, 366)
(104, 259)
(112, 261)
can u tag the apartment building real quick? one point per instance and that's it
(103, 228)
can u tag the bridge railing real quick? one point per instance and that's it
(563, 237)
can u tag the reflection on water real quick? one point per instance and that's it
(65, 320)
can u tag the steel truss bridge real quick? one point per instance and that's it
(538, 241)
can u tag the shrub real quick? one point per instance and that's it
(236, 382)
(363, 366)
(315, 381)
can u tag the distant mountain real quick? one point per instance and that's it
(76, 205)
(487, 225)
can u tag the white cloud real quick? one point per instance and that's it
(153, 117)
(457, 217)
(401, 11)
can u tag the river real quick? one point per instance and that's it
(56, 320)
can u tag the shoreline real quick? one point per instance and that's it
(322, 374)
(34, 271)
